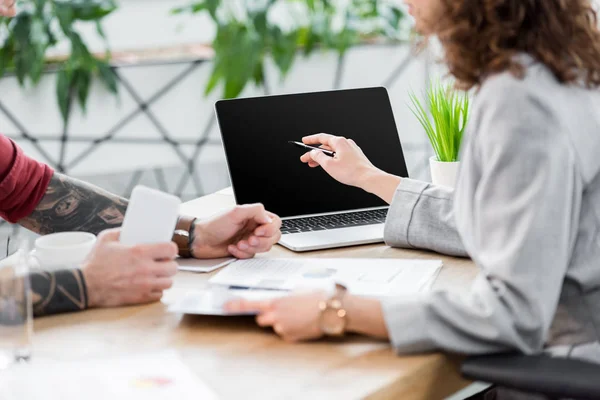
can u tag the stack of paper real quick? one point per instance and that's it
(366, 277)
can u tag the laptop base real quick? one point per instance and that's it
(334, 238)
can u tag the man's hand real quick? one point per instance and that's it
(8, 8)
(118, 275)
(241, 232)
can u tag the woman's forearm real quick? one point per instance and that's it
(381, 184)
(365, 316)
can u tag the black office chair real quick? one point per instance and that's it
(540, 374)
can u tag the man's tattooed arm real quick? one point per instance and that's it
(58, 292)
(72, 205)
(53, 292)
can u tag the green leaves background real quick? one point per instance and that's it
(246, 36)
(41, 25)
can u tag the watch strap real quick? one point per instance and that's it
(184, 235)
(335, 303)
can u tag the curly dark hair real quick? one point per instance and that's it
(482, 37)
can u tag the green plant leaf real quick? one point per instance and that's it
(63, 91)
(259, 74)
(239, 49)
(100, 30)
(108, 76)
(65, 16)
(83, 82)
(212, 6)
(92, 10)
(259, 21)
(39, 43)
(215, 78)
(284, 50)
(24, 57)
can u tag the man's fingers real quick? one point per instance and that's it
(164, 268)
(151, 297)
(109, 235)
(254, 212)
(271, 229)
(162, 284)
(320, 139)
(237, 253)
(158, 251)
(261, 245)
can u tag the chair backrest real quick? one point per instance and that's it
(541, 374)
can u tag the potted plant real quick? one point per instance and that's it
(444, 125)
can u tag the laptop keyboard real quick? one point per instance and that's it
(328, 222)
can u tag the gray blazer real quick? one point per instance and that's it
(527, 210)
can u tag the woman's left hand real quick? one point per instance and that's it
(8, 8)
(295, 318)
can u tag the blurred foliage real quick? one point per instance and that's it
(247, 32)
(41, 25)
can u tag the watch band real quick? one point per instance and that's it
(335, 305)
(184, 235)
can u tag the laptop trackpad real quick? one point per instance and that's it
(334, 238)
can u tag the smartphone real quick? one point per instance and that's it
(150, 218)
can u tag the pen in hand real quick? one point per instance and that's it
(309, 148)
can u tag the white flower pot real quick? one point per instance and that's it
(443, 173)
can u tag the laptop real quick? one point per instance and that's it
(317, 211)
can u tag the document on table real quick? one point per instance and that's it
(212, 300)
(154, 376)
(366, 277)
(203, 266)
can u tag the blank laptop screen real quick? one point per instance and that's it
(265, 168)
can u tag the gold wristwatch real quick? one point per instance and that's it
(333, 319)
(184, 236)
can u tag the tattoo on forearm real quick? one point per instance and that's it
(58, 292)
(51, 293)
(73, 205)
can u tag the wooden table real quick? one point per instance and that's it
(242, 361)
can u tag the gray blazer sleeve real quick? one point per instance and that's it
(422, 216)
(519, 224)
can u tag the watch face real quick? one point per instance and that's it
(332, 323)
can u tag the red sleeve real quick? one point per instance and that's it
(23, 181)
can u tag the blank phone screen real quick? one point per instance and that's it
(265, 168)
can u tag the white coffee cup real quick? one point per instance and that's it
(63, 250)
